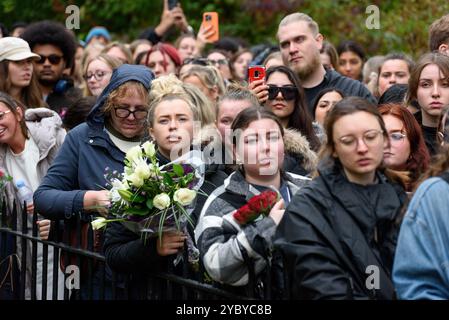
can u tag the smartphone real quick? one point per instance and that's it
(256, 73)
(211, 19)
(172, 4)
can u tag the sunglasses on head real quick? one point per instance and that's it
(289, 93)
(53, 59)
(198, 61)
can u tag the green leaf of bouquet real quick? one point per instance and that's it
(178, 169)
(167, 179)
(137, 198)
(125, 194)
(137, 211)
(150, 204)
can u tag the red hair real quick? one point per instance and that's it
(166, 50)
(419, 159)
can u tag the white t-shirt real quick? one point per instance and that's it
(24, 165)
(122, 144)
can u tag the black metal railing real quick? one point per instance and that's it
(24, 256)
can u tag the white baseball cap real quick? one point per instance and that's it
(15, 49)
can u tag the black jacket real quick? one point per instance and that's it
(333, 231)
(332, 79)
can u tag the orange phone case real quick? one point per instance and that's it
(211, 18)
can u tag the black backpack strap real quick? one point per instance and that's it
(445, 176)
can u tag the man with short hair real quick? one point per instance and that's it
(300, 43)
(439, 35)
(56, 46)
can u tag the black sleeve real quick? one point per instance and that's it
(151, 35)
(126, 252)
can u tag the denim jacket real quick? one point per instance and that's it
(421, 265)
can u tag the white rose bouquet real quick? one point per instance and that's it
(149, 199)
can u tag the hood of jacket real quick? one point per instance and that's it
(298, 146)
(45, 126)
(122, 74)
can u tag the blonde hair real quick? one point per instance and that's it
(112, 62)
(122, 47)
(208, 75)
(169, 87)
(297, 17)
(208, 109)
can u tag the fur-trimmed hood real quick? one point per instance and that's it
(297, 146)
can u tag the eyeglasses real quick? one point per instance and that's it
(53, 59)
(2, 114)
(222, 62)
(370, 138)
(124, 112)
(198, 61)
(397, 136)
(289, 93)
(98, 75)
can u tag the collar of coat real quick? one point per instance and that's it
(237, 184)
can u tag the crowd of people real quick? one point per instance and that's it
(356, 148)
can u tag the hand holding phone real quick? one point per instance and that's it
(210, 20)
(172, 4)
(256, 73)
(256, 79)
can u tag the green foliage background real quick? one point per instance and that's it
(403, 24)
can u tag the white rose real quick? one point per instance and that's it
(184, 196)
(149, 148)
(142, 169)
(161, 201)
(134, 153)
(98, 223)
(116, 186)
(136, 180)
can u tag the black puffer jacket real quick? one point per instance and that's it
(333, 230)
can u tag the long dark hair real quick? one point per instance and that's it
(30, 96)
(300, 119)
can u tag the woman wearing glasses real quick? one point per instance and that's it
(408, 151)
(338, 235)
(16, 72)
(73, 186)
(98, 72)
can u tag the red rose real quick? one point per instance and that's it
(257, 205)
(1, 174)
(263, 202)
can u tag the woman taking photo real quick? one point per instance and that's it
(228, 248)
(347, 219)
(16, 72)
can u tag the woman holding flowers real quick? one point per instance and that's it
(234, 240)
(74, 184)
(339, 233)
(172, 118)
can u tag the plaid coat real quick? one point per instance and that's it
(225, 246)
